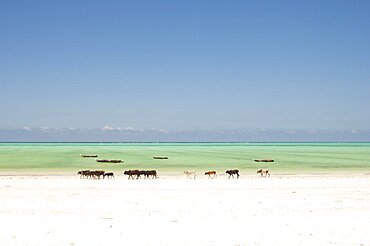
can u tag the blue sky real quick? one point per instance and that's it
(187, 66)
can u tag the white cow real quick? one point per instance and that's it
(190, 174)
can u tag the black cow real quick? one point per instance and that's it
(83, 173)
(108, 175)
(151, 173)
(232, 172)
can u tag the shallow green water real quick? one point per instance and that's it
(64, 158)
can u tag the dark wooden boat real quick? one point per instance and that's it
(88, 155)
(110, 161)
(264, 160)
(160, 157)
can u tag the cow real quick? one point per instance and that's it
(97, 174)
(232, 172)
(190, 174)
(83, 173)
(262, 172)
(141, 172)
(209, 173)
(108, 175)
(90, 174)
(132, 173)
(151, 173)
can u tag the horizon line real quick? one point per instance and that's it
(2, 142)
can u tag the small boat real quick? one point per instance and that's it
(264, 160)
(88, 155)
(160, 157)
(109, 161)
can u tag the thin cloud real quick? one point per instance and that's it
(312, 132)
(47, 128)
(108, 128)
(354, 131)
(130, 129)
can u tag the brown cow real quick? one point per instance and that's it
(209, 173)
(132, 173)
(97, 174)
(232, 172)
(266, 172)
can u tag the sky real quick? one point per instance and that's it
(202, 70)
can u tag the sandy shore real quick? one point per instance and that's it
(289, 210)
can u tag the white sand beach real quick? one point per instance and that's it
(281, 210)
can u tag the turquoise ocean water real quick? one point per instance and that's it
(290, 158)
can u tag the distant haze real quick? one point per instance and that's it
(185, 71)
(160, 135)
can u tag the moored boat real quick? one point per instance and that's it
(264, 160)
(89, 155)
(109, 161)
(160, 157)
